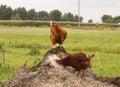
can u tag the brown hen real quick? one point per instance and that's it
(79, 61)
(57, 34)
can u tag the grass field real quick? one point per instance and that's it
(20, 43)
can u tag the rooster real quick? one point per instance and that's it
(79, 61)
(57, 34)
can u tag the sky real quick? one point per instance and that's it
(89, 9)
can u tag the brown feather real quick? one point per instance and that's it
(79, 61)
(57, 34)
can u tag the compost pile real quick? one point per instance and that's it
(49, 74)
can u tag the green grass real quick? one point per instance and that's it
(19, 41)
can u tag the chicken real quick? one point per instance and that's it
(57, 34)
(79, 61)
(22, 68)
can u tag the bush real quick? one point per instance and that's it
(24, 23)
(34, 51)
(7, 71)
(68, 25)
(47, 23)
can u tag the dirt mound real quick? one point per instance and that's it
(49, 74)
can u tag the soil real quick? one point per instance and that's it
(49, 74)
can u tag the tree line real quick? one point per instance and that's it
(110, 19)
(20, 13)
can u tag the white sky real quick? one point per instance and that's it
(89, 9)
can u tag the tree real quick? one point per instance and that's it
(15, 17)
(70, 16)
(76, 18)
(55, 15)
(116, 19)
(32, 14)
(81, 19)
(90, 21)
(107, 19)
(64, 17)
(5, 12)
(22, 12)
(43, 15)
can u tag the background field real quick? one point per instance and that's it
(31, 43)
